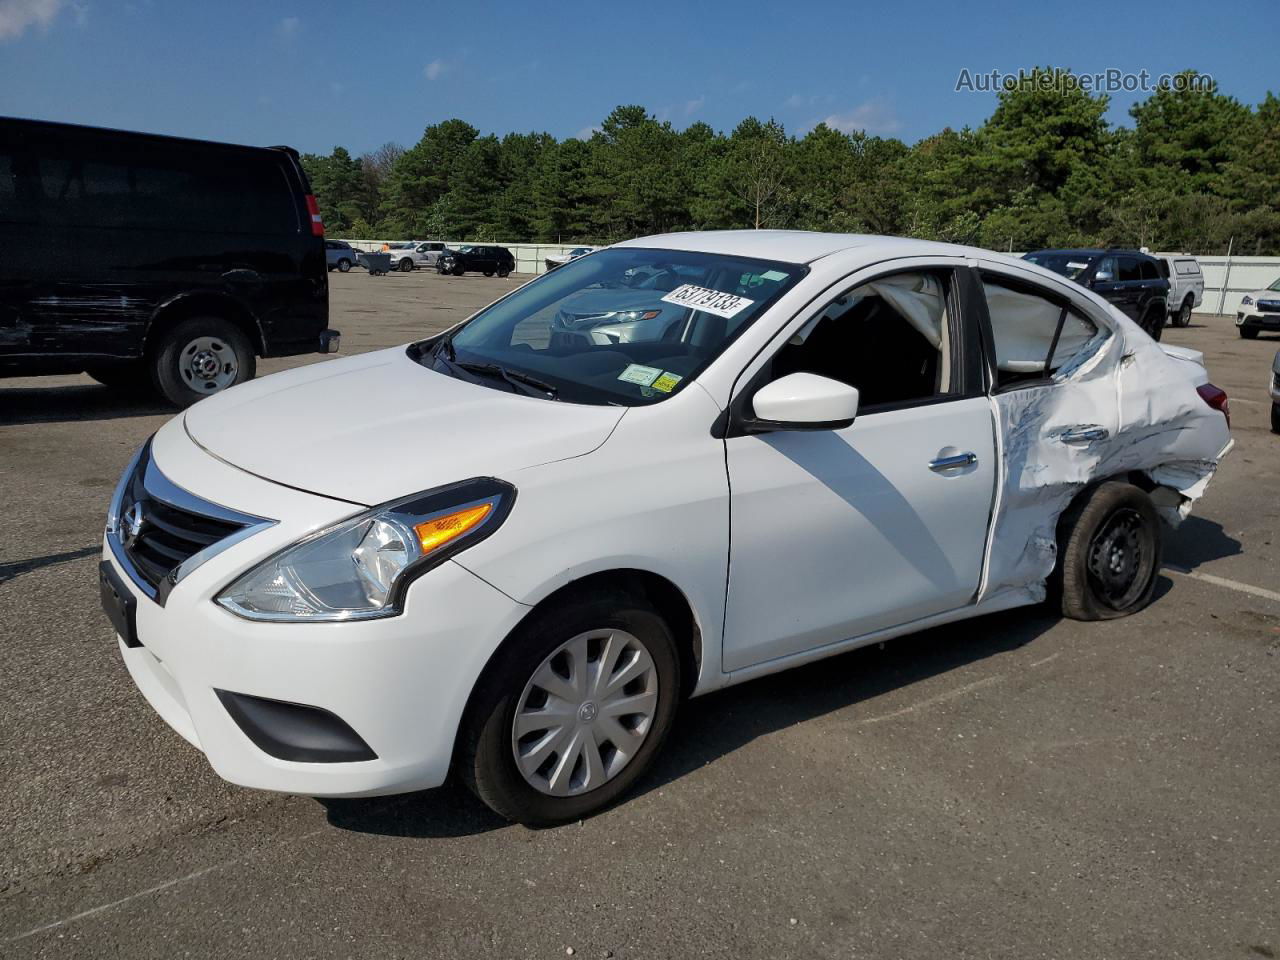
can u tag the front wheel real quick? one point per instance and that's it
(570, 715)
(406, 265)
(1275, 418)
(199, 357)
(1108, 553)
(504, 273)
(458, 271)
(1248, 333)
(344, 265)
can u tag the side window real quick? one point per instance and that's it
(1107, 270)
(1128, 270)
(890, 338)
(1149, 271)
(1034, 334)
(1187, 267)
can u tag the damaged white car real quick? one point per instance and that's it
(509, 552)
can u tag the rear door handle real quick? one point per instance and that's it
(1089, 434)
(953, 462)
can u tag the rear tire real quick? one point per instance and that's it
(1108, 553)
(1248, 333)
(1153, 323)
(1183, 318)
(199, 357)
(509, 690)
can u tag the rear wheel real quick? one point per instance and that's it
(199, 357)
(1248, 333)
(1183, 319)
(1108, 553)
(565, 720)
(1153, 322)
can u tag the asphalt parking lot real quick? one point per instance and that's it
(1013, 786)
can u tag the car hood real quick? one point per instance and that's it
(379, 426)
(1264, 294)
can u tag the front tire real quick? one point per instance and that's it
(344, 265)
(1248, 333)
(199, 357)
(1275, 418)
(406, 265)
(1108, 553)
(572, 712)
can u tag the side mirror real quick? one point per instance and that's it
(803, 401)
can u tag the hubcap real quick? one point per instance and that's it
(208, 364)
(585, 712)
(1117, 558)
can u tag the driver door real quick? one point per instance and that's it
(839, 533)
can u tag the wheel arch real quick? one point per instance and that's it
(189, 305)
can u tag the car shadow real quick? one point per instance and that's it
(718, 724)
(63, 404)
(1198, 541)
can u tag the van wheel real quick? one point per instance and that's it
(566, 719)
(200, 357)
(1108, 553)
(1183, 318)
(344, 265)
(129, 377)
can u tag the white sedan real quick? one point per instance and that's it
(510, 554)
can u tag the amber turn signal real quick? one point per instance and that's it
(438, 531)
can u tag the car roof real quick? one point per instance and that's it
(800, 246)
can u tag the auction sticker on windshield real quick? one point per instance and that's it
(708, 301)
(640, 374)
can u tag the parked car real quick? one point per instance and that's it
(512, 560)
(630, 310)
(476, 258)
(560, 259)
(1259, 310)
(154, 261)
(1275, 393)
(415, 253)
(340, 255)
(1130, 279)
(1186, 286)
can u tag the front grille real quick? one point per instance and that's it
(1269, 306)
(159, 526)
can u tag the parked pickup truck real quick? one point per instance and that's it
(1186, 285)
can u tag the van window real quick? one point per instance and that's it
(148, 188)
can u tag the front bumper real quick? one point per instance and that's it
(1254, 318)
(400, 683)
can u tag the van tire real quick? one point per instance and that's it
(1109, 544)
(201, 356)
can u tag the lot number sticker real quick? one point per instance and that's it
(708, 301)
(638, 374)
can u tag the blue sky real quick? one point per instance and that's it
(363, 72)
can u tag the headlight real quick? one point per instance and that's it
(360, 568)
(1246, 301)
(630, 316)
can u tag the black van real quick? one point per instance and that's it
(155, 261)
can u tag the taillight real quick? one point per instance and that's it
(313, 208)
(1215, 397)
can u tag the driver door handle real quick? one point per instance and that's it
(953, 462)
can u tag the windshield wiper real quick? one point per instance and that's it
(521, 381)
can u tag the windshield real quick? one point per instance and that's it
(1070, 265)
(400, 246)
(1276, 285)
(624, 326)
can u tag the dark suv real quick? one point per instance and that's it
(1131, 280)
(152, 261)
(476, 258)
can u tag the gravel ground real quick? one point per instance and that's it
(1014, 786)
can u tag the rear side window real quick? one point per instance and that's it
(1129, 269)
(1187, 267)
(1149, 271)
(124, 185)
(1035, 335)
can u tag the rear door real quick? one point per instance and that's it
(836, 534)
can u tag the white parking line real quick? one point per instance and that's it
(93, 911)
(1224, 582)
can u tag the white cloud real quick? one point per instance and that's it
(17, 15)
(693, 106)
(435, 69)
(795, 101)
(586, 132)
(288, 28)
(874, 117)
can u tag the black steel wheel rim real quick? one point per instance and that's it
(1121, 554)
